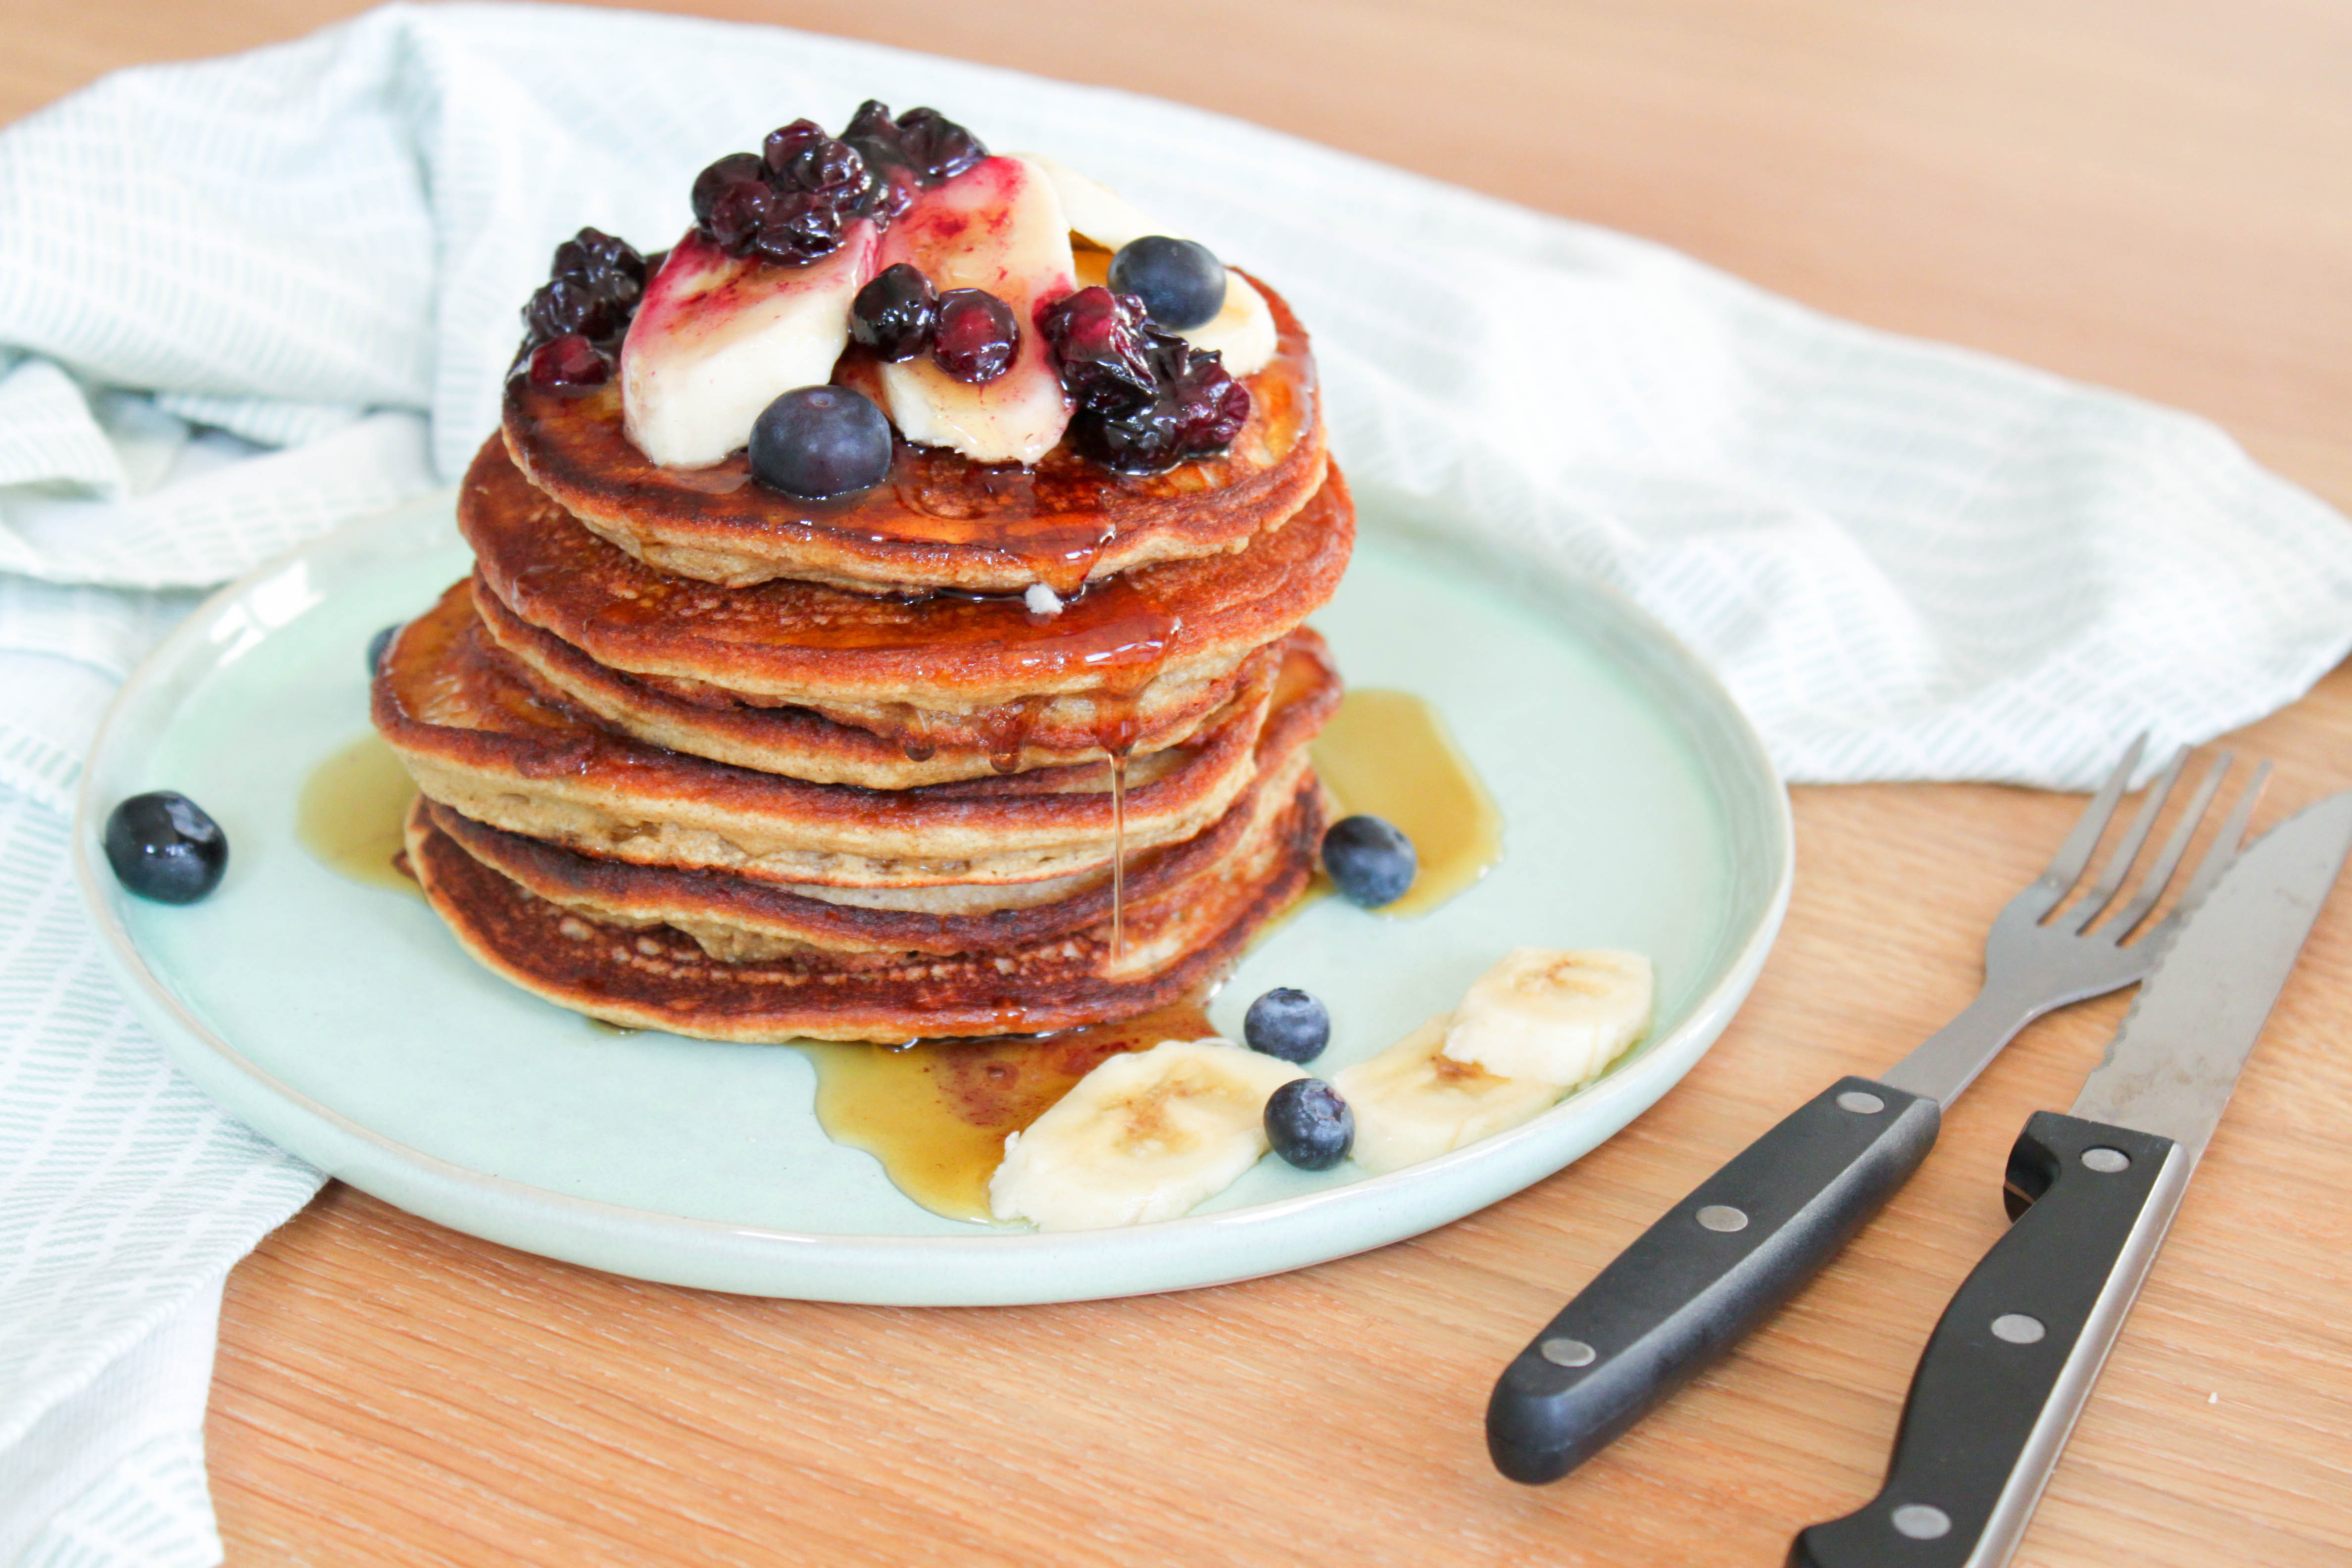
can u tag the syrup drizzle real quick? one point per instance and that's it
(936, 1113)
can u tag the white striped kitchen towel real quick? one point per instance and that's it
(245, 299)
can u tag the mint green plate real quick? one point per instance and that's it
(342, 1020)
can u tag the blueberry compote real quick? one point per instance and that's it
(1147, 400)
(790, 202)
(573, 325)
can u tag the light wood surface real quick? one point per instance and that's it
(2147, 193)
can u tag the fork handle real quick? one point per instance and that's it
(1713, 1267)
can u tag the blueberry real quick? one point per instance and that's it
(1309, 1125)
(975, 336)
(820, 441)
(893, 315)
(1370, 860)
(377, 646)
(163, 847)
(1180, 281)
(1289, 1024)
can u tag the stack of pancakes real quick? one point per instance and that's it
(982, 750)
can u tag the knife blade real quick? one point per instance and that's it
(2091, 1194)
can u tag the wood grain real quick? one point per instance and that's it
(2149, 194)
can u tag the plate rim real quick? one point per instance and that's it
(648, 1239)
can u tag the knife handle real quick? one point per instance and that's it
(2013, 1358)
(1713, 1267)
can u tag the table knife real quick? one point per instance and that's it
(2091, 1194)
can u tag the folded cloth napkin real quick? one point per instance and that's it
(245, 300)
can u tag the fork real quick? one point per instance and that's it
(1723, 1260)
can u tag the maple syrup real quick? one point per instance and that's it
(352, 812)
(936, 1113)
(1388, 755)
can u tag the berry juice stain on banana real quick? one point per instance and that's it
(351, 812)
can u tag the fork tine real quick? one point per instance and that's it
(2159, 876)
(2224, 847)
(2076, 853)
(2119, 864)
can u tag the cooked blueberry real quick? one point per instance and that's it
(975, 336)
(735, 168)
(1147, 400)
(163, 847)
(738, 213)
(569, 362)
(1180, 281)
(893, 315)
(379, 645)
(1289, 1024)
(1372, 861)
(820, 441)
(1308, 1124)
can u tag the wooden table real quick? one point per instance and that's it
(2147, 193)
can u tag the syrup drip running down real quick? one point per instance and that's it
(936, 1113)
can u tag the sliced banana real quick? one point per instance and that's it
(1143, 1137)
(1414, 1102)
(1553, 1016)
(1103, 220)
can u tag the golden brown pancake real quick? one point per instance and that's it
(946, 672)
(735, 917)
(803, 743)
(660, 978)
(938, 520)
(476, 736)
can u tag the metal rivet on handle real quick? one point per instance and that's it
(1568, 1353)
(1922, 1522)
(2107, 1161)
(1860, 1103)
(2017, 1329)
(1723, 1218)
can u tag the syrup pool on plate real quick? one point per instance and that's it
(351, 811)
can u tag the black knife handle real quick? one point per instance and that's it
(1717, 1264)
(2013, 1358)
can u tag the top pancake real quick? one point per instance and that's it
(1147, 643)
(938, 520)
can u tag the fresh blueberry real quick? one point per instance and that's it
(1309, 1125)
(820, 441)
(1180, 281)
(1289, 1024)
(975, 336)
(377, 644)
(163, 847)
(893, 315)
(1370, 860)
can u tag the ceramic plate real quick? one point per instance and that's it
(341, 1020)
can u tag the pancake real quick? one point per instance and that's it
(734, 919)
(475, 736)
(938, 672)
(937, 519)
(660, 978)
(803, 743)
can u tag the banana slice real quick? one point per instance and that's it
(1144, 1136)
(1553, 1016)
(1414, 1102)
(1242, 331)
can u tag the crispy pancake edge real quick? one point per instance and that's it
(610, 975)
(617, 893)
